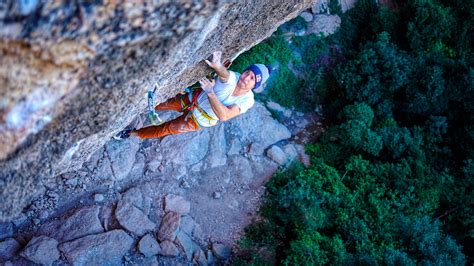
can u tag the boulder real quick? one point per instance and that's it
(6, 230)
(308, 17)
(84, 221)
(133, 196)
(324, 24)
(290, 151)
(177, 204)
(133, 219)
(199, 258)
(187, 244)
(302, 155)
(148, 246)
(8, 249)
(106, 248)
(221, 251)
(168, 227)
(42, 250)
(277, 154)
(168, 249)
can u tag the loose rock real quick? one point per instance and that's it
(133, 219)
(106, 248)
(84, 221)
(8, 249)
(6, 230)
(221, 251)
(168, 227)
(277, 155)
(306, 16)
(168, 249)
(41, 250)
(148, 246)
(99, 197)
(177, 204)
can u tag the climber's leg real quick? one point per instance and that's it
(176, 126)
(173, 103)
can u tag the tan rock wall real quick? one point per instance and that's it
(74, 74)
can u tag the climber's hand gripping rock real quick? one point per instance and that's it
(207, 85)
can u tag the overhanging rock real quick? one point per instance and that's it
(74, 73)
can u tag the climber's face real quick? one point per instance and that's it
(247, 80)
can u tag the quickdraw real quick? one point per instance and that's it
(152, 115)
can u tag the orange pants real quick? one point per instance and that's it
(182, 124)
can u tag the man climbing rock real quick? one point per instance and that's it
(217, 100)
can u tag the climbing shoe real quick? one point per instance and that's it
(123, 134)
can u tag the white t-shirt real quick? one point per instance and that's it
(223, 92)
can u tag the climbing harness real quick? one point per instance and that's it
(152, 115)
(194, 105)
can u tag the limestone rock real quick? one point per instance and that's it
(277, 154)
(306, 16)
(105, 248)
(186, 243)
(84, 221)
(290, 151)
(324, 24)
(133, 196)
(199, 258)
(168, 249)
(6, 230)
(8, 249)
(41, 250)
(78, 73)
(221, 251)
(302, 155)
(148, 246)
(168, 227)
(99, 197)
(177, 204)
(256, 148)
(133, 219)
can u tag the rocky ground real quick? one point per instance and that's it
(180, 199)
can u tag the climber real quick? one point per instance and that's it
(217, 100)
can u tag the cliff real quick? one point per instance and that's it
(75, 73)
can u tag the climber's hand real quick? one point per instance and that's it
(207, 85)
(216, 60)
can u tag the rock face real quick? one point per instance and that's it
(76, 73)
(106, 248)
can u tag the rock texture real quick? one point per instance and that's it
(42, 250)
(106, 248)
(77, 72)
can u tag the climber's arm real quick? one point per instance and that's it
(217, 65)
(223, 112)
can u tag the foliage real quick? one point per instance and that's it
(391, 178)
